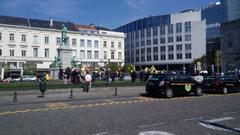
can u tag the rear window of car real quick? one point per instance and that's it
(156, 77)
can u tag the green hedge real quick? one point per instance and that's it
(60, 85)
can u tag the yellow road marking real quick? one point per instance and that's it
(62, 105)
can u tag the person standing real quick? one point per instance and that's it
(88, 80)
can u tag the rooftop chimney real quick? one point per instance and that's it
(50, 22)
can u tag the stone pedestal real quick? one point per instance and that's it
(65, 53)
(54, 73)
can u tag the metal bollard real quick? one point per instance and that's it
(15, 97)
(115, 93)
(71, 94)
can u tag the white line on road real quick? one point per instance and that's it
(237, 128)
(150, 125)
(154, 133)
(227, 113)
(213, 127)
(191, 119)
(221, 119)
(102, 133)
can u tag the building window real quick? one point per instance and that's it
(148, 42)
(137, 44)
(35, 52)
(0, 52)
(96, 44)
(162, 30)
(170, 39)
(105, 44)
(0, 36)
(82, 43)
(119, 45)
(137, 55)
(170, 56)
(105, 55)
(58, 40)
(96, 54)
(155, 53)
(155, 31)
(149, 53)
(187, 26)
(188, 55)
(24, 38)
(112, 54)
(170, 29)
(89, 54)
(178, 27)
(89, 43)
(74, 42)
(188, 47)
(142, 33)
(132, 45)
(179, 38)
(170, 48)
(148, 32)
(82, 54)
(162, 40)
(35, 39)
(46, 40)
(137, 35)
(11, 51)
(23, 53)
(119, 55)
(155, 41)
(163, 57)
(11, 37)
(142, 54)
(179, 56)
(187, 37)
(179, 47)
(143, 43)
(46, 53)
(162, 49)
(112, 44)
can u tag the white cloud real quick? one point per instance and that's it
(136, 4)
(14, 3)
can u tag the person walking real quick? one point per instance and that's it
(88, 80)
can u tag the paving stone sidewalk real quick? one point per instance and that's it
(57, 95)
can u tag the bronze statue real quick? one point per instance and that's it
(64, 36)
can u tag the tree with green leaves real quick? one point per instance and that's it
(29, 69)
(114, 67)
(127, 68)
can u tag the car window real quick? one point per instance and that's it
(156, 77)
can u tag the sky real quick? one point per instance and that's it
(105, 13)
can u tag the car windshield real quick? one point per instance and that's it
(156, 77)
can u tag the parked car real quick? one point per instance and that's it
(223, 84)
(18, 79)
(8, 79)
(30, 78)
(171, 84)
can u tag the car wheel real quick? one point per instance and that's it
(168, 92)
(224, 90)
(198, 91)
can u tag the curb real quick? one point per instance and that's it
(59, 91)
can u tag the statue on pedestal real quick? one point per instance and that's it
(65, 38)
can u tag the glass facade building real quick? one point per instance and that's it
(230, 10)
(169, 42)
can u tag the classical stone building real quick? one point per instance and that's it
(33, 41)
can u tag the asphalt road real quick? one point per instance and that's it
(211, 114)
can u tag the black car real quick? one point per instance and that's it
(171, 84)
(223, 84)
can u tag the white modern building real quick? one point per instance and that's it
(169, 42)
(24, 40)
